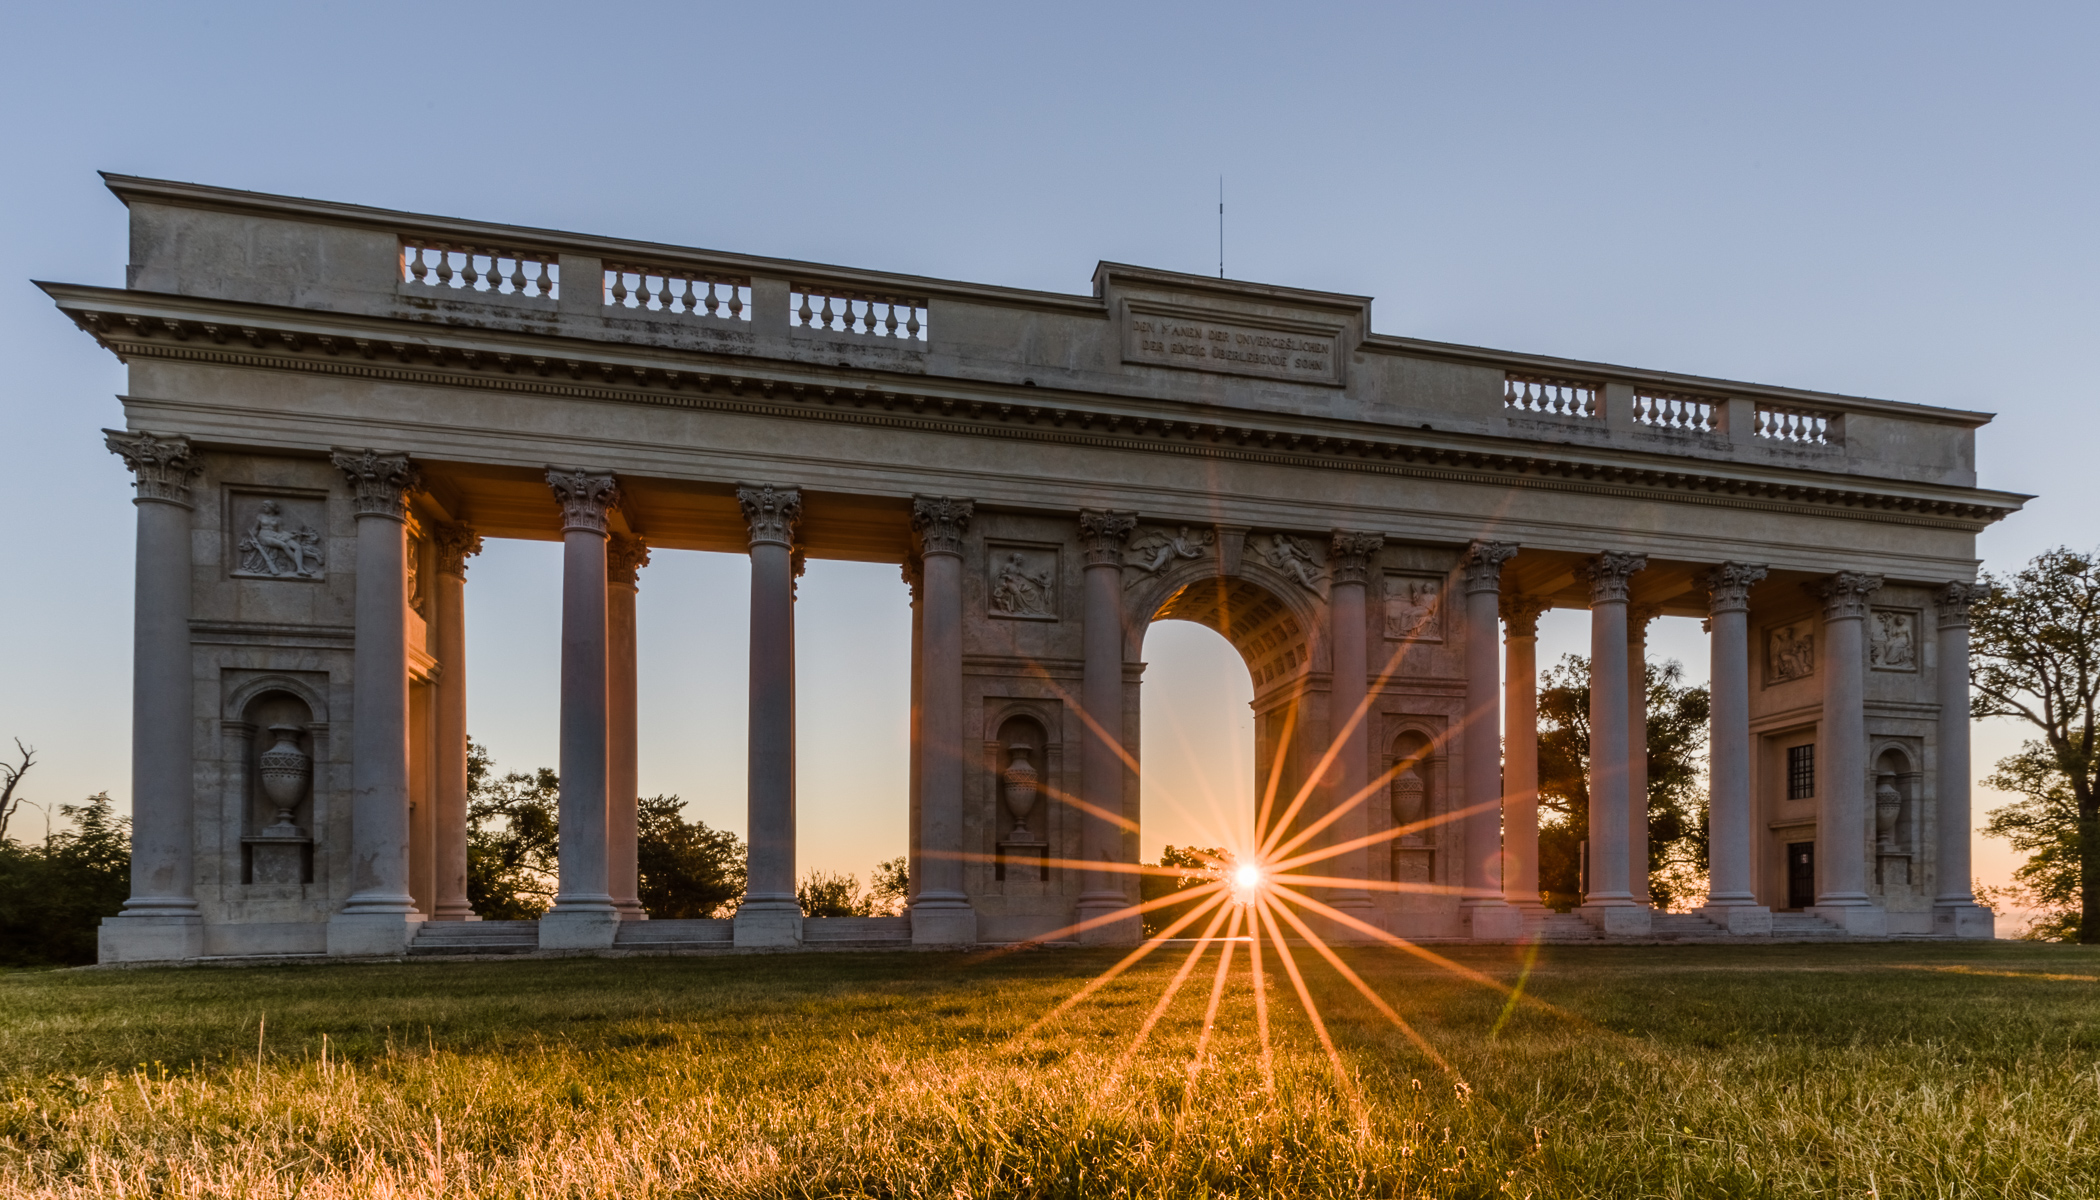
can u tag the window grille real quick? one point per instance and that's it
(1801, 772)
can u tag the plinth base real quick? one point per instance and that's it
(1619, 920)
(1743, 920)
(765, 927)
(1491, 922)
(943, 925)
(372, 935)
(587, 929)
(1960, 921)
(1860, 920)
(149, 939)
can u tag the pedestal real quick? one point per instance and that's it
(941, 924)
(1859, 920)
(149, 939)
(1743, 920)
(767, 925)
(578, 929)
(1619, 920)
(1492, 922)
(1956, 921)
(367, 935)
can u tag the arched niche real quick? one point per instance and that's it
(1023, 759)
(1414, 769)
(1895, 798)
(277, 755)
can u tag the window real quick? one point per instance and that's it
(1801, 772)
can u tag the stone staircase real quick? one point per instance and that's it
(856, 933)
(1680, 928)
(672, 937)
(476, 937)
(1560, 928)
(1803, 927)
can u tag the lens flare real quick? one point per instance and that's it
(1246, 880)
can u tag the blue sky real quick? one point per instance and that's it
(1891, 200)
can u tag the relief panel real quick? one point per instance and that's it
(1790, 651)
(1414, 608)
(277, 536)
(1892, 639)
(1020, 581)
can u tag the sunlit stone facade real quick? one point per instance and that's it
(330, 408)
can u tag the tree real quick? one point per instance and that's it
(513, 839)
(9, 777)
(2043, 824)
(1206, 863)
(1678, 718)
(53, 896)
(686, 869)
(891, 886)
(2035, 655)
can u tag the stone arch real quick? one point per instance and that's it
(238, 700)
(1278, 629)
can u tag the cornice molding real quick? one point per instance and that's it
(718, 384)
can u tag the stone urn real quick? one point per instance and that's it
(1409, 805)
(1888, 807)
(1022, 787)
(285, 771)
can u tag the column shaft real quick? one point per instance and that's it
(941, 914)
(771, 788)
(1637, 618)
(583, 915)
(1731, 899)
(1520, 754)
(1101, 769)
(1485, 913)
(1610, 888)
(623, 737)
(1348, 718)
(915, 863)
(1842, 815)
(1955, 911)
(162, 716)
(451, 741)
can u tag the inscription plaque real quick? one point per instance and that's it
(1165, 336)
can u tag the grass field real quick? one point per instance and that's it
(1881, 1070)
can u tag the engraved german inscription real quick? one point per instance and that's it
(1169, 338)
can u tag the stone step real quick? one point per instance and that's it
(857, 930)
(1805, 927)
(476, 937)
(696, 934)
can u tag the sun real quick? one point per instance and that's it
(1246, 881)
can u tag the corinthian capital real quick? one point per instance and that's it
(624, 559)
(380, 482)
(1483, 565)
(1954, 601)
(1610, 575)
(771, 513)
(162, 466)
(1102, 535)
(940, 522)
(1349, 555)
(455, 545)
(585, 499)
(1845, 594)
(1520, 615)
(1728, 586)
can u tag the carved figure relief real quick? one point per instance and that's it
(1154, 550)
(1892, 640)
(1790, 652)
(277, 545)
(1414, 609)
(1291, 559)
(1023, 583)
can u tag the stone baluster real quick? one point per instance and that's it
(770, 914)
(1842, 814)
(1350, 561)
(1731, 899)
(1483, 912)
(1955, 912)
(1637, 618)
(1610, 903)
(624, 558)
(455, 544)
(941, 914)
(380, 916)
(160, 920)
(583, 916)
(1102, 536)
(1520, 753)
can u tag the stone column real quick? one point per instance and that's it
(1350, 560)
(1842, 814)
(1731, 899)
(1955, 912)
(1637, 618)
(380, 916)
(941, 914)
(160, 920)
(1101, 763)
(1610, 903)
(455, 544)
(915, 863)
(624, 558)
(770, 914)
(583, 916)
(1483, 912)
(1520, 753)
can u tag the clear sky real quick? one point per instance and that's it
(1890, 200)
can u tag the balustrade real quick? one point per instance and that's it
(869, 314)
(1800, 426)
(498, 269)
(1555, 397)
(1681, 411)
(677, 290)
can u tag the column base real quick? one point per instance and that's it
(1121, 931)
(454, 911)
(122, 939)
(1491, 921)
(767, 925)
(372, 934)
(1964, 921)
(1742, 920)
(631, 910)
(1619, 920)
(943, 923)
(578, 928)
(1859, 920)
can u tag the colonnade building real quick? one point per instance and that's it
(331, 407)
